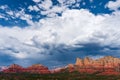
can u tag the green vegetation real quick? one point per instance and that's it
(57, 76)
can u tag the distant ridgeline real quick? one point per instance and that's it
(103, 66)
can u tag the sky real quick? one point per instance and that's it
(55, 32)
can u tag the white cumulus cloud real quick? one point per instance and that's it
(36, 1)
(73, 27)
(113, 5)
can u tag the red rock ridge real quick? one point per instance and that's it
(37, 68)
(103, 66)
(14, 68)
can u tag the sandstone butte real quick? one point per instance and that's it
(103, 66)
(107, 65)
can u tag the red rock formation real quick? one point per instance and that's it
(106, 64)
(58, 70)
(71, 67)
(103, 66)
(38, 68)
(3, 68)
(79, 62)
(14, 68)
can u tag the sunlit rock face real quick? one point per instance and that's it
(106, 64)
(79, 62)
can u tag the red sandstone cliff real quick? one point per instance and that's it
(103, 65)
(106, 62)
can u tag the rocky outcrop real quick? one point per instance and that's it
(58, 70)
(3, 68)
(37, 68)
(79, 62)
(106, 64)
(70, 67)
(14, 68)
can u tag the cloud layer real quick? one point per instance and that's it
(58, 40)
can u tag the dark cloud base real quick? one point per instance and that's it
(62, 55)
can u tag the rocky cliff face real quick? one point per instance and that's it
(103, 65)
(106, 62)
